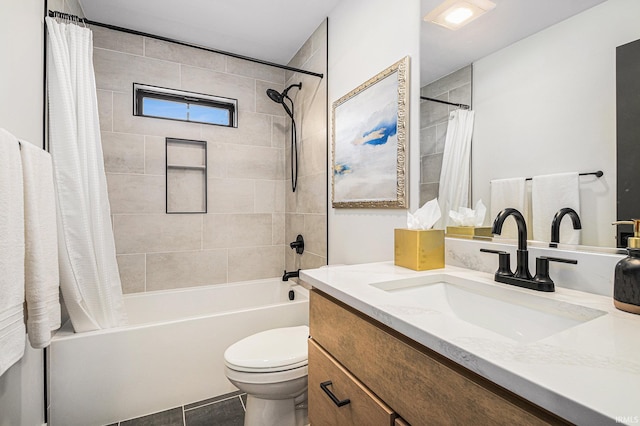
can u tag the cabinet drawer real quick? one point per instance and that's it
(422, 386)
(364, 408)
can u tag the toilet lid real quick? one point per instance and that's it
(272, 350)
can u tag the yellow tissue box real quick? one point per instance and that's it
(418, 249)
(469, 231)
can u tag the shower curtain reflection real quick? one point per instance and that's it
(89, 276)
(456, 164)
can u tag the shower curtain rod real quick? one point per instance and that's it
(597, 174)
(463, 106)
(74, 18)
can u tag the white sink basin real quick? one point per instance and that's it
(518, 315)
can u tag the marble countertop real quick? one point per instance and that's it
(588, 374)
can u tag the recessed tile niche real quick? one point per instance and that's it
(186, 176)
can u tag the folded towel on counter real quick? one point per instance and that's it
(41, 246)
(508, 193)
(550, 193)
(12, 329)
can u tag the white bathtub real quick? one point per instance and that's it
(170, 354)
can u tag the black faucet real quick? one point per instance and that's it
(522, 276)
(292, 274)
(522, 255)
(555, 224)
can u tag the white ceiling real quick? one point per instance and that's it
(443, 51)
(274, 30)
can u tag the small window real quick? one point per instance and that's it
(171, 104)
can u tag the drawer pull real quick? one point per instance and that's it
(325, 388)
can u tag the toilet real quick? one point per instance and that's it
(271, 367)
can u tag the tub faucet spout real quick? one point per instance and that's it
(292, 274)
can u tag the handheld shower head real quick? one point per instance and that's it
(279, 98)
(275, 96)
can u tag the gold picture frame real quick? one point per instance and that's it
(369, 149)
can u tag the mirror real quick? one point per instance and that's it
(544, 104)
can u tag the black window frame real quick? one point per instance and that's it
(143, 91)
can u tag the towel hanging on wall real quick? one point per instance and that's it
(550, 193)
(41, 246)
(12, 329)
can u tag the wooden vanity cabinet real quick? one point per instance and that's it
(412, 383)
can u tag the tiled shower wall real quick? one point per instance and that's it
(242, 236)
(434, 117)
(306, 209)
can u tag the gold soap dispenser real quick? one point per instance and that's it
(626, 284)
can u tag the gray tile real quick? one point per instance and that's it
(249, 162)
(461, 95)
(133, 193)
(428, 191)
(214, 399)
(105, 109)
(225, 413)
(441, 136)
(186, 269)
(254, 70)
(427, 141)
(117, 40)
(230, 196)
(123, 153)
(237, 230)
(432, 112)
(148, 233)
(171, 417)
(183, 54)
(118, 71)
(455, 79)
(266, 262)
(132, 272)
(315, 234)
(430, 167)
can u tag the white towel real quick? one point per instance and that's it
(508, 193)
(12, 330)
(549, 194)
(41, 246)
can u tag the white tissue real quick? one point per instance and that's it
(425, 217)
(469, 217)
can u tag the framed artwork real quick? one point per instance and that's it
(370, 126)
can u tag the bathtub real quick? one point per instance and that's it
(170, 354)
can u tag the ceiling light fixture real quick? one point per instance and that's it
(454, 14)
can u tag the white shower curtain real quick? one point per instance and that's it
(89, 276)
(456, 164)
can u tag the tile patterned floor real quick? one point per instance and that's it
(224, 410)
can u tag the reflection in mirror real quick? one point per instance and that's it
(544, 105)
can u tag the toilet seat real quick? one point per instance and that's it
(270, 351)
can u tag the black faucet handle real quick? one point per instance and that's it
(559, 259)
(504, 262)
(542, 270)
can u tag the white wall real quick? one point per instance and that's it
(366, 37)
(547, 105)
(21, 70)
(22, 386)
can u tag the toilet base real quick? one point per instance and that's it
(274, 412)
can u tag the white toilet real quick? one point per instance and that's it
(271, 367)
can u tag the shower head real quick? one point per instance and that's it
(279, 98)
(275, 96)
